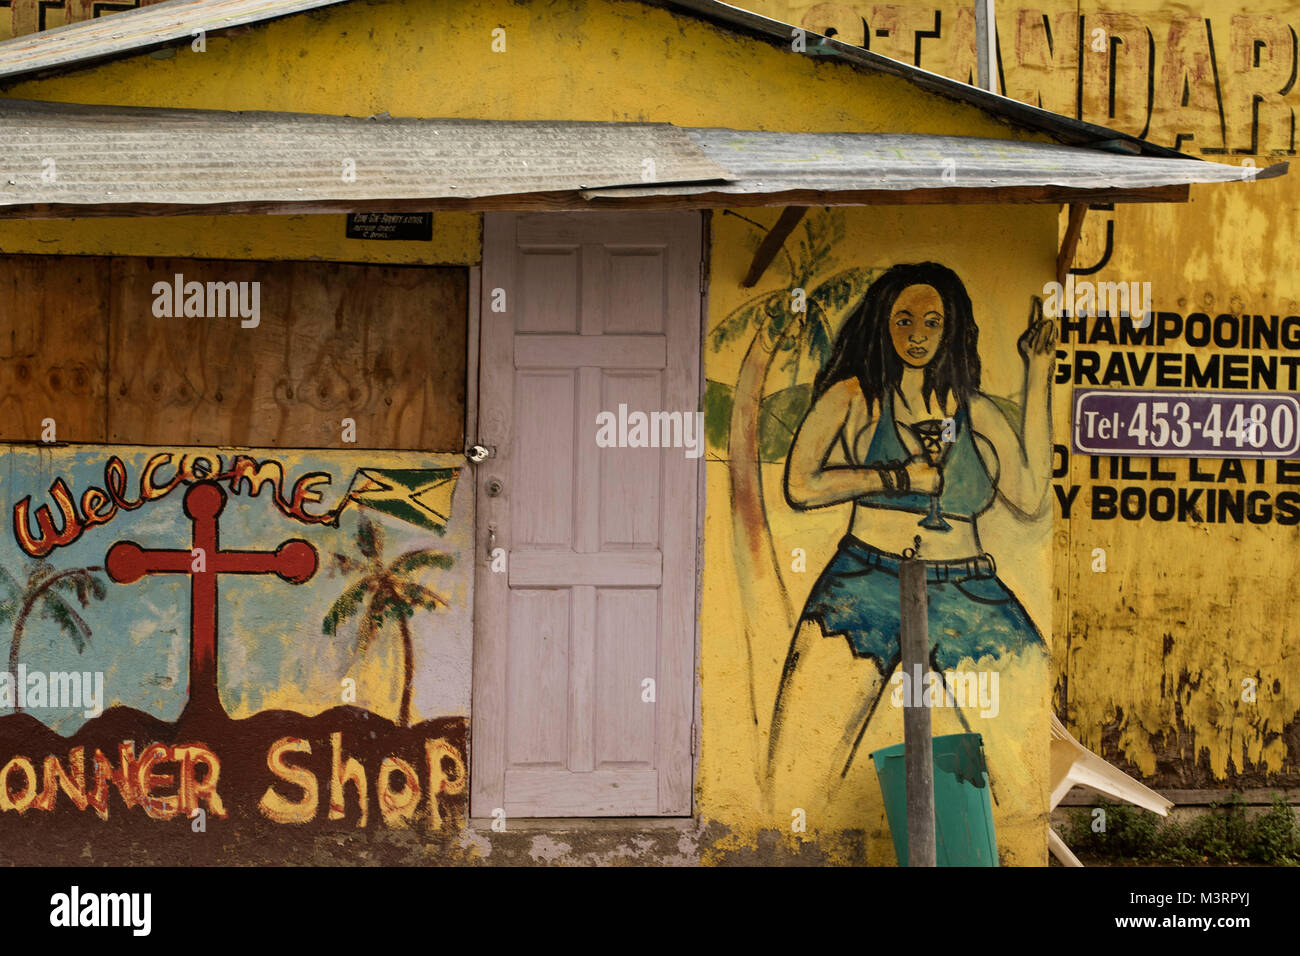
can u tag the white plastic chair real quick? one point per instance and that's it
(1072, 765)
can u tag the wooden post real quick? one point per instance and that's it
(1070, 241)
(772, 243)
(917, 746)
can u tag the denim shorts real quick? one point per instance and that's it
(970, 612)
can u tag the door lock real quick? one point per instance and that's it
(494, 487)
(480, 453)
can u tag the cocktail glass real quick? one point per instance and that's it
(935, 450)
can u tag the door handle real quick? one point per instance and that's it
(477, 453)
(491, 540)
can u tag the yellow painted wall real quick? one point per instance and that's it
(564, 60)
(1152, 655)
(457, 238)
(623, 61)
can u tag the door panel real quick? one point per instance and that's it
(585, 642)
(542, 516)
(538, 658)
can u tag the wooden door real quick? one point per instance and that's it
(585, 633)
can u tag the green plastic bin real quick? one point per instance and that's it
(962, 809)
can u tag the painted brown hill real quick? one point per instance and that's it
(68, 835)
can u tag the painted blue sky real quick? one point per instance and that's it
(270, 645)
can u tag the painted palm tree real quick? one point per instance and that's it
(756, 425)
(53, 592)
(385, 592)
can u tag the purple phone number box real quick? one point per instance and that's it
(1150, 422)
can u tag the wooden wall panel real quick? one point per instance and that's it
(384, 346)
(52, 346)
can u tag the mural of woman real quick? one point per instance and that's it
(904, 371)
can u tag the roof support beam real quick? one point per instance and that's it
(1070, 242)
(772, 243)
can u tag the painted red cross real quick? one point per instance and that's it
(127, 562)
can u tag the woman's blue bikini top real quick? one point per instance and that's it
(967, 488)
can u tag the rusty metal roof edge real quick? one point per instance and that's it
(258, 11)
(544, 199)
(1073, 132)
(52, 108)
(140, 30)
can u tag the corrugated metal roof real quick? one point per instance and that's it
(205, 157)
(835, 162)
(120, 34)
(108, 157)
